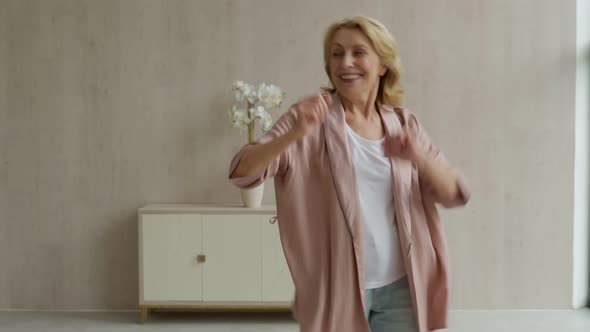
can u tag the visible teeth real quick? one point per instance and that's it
(349, 77)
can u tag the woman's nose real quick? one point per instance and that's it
(348, 60)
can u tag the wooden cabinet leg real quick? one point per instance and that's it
(144, 313)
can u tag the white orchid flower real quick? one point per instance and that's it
(239, 87)
(251, 94)
(271, 95)
(239, 117)
(266, 97)
(266, 122)
(257, 112)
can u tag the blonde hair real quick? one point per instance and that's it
(390, 91)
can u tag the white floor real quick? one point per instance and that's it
(461, 321)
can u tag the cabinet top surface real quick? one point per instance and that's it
(206, 208)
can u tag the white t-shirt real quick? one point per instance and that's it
(383, 256)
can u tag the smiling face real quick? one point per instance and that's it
(355, 67)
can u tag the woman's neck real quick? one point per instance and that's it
(360, 107)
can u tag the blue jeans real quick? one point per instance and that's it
(389, 308)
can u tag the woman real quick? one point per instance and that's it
(356, 182)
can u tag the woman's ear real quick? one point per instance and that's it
(383, 70)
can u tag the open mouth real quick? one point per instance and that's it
(349, 78)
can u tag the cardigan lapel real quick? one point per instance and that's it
(401, 170)
(341, 164)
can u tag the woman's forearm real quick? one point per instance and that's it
(442, 178)
(259, 156)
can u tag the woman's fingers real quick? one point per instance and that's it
(395, 145)
(313, 110)
(328, 100)
(325, 102)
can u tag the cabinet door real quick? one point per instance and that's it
(170, 246)
(277, 284)
(233, 268)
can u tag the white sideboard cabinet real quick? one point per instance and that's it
(211, 257)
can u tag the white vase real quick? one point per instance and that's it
(252, 198)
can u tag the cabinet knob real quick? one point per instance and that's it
(273, 219)
(201, 258)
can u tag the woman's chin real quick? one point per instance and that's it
(348, 92)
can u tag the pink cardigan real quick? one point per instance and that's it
(321, 230)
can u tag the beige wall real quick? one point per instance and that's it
(108, 105)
